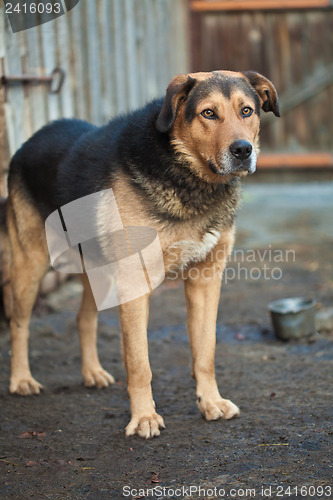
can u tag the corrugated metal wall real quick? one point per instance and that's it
(116, 54)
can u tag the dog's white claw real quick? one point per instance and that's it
(145, 427)
(25, 387)
(218, 409)
(97, 377)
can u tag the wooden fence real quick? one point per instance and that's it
(116, 55)
(291, 42)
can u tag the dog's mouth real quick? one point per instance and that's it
(228, 165)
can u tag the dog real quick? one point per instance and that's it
(175, 166)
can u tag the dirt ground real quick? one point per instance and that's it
(69, 443)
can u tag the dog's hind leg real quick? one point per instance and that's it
(29, 263)
(92, 370)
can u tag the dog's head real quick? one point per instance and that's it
(213, 120)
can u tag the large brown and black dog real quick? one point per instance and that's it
(175, 166)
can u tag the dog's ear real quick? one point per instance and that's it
(266, 91)
(177, 91)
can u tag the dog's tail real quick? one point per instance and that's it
(5, 288)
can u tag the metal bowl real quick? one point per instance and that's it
(293, 318)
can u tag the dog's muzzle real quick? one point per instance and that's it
(240, 158)
(244, 158)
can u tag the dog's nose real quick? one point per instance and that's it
(241, 149)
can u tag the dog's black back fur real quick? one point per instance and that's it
(35, 167)
(69, 159)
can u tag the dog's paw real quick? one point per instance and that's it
(146, 427)
(97, 377)
(216, 409)
(25, 386)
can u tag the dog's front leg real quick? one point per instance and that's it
(202, 291)
(144, 420)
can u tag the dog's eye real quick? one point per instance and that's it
(208, 113)
(247, 111)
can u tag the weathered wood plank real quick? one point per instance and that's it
(151, 33)
(132, 69)
(106, 55)
(77, 37)
(35, 95)
(245, 5)
(119, 55)
(63, 59)
(48, 47)
(4, 145)
(299, 161)
(94, 62)
(14, 106)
